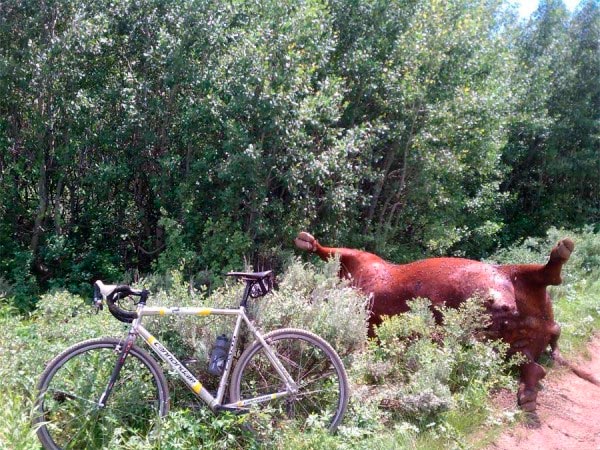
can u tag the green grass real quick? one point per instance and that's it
(578, 313)
(457, 412)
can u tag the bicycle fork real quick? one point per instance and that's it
(125, 348)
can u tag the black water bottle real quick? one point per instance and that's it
(216, 366)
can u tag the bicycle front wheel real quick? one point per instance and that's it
(315, 367)
(67, 410)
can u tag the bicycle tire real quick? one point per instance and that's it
(315, 366)
(66, 409)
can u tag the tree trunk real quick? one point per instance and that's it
(42, 207)
(58, 207)
(387, 164)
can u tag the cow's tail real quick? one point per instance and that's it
(581, 373)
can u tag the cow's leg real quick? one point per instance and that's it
(374, 322)
(531, 374)
(554, 335)
(307, 241)
(559, 255)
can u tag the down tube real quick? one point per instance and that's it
(164, 354)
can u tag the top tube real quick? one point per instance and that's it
(189, 311)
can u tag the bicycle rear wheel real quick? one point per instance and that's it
(313, 364)
(67, 410)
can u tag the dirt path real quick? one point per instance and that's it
(568, 414)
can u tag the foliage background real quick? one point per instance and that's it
(150, 135)
(168, 141)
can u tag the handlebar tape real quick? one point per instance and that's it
(118, 293)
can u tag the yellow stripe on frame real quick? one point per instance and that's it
(162, 311)
(205, 311)
(197, 387)
(151, 340)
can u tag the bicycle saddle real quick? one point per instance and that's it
(253, 276)
(260, 283)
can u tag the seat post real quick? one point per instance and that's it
(246, 294)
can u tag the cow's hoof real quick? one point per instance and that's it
(528, 407)
(563, 249)
(556, 356)
(306, 241)
(527, 399)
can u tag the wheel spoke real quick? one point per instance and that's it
(73, 383)
(314, 366)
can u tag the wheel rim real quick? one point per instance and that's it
(68, 403)
(320, 393)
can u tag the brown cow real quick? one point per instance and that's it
(515, 295)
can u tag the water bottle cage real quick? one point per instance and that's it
(218, 356)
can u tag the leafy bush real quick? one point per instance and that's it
(419, 385)
(309, 297)
(315, 299)
(422, 369)
(20, 287)
(198, 429)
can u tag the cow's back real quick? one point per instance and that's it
(447, 281)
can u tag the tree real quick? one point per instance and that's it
(432, 82)
(553, 144)
(202, 135)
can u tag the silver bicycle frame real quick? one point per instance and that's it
(193, 383)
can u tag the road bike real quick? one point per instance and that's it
(102, 387)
